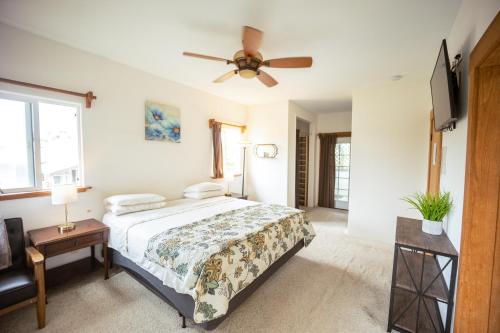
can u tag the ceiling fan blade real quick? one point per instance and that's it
(251, 40)
(202, 56)
(293, 62)
(226, 76)
(266, 79)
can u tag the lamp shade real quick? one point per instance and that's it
(63, 194)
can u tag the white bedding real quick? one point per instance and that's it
(130, 233)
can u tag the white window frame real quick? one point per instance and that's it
(33, 136)
(240, 171)
(337, 179)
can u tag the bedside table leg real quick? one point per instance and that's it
(106, 265)
(92, 257)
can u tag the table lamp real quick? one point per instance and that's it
(228, 178)
(63, 195)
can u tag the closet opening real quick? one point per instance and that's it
(301, 163)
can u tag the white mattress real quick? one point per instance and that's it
(130, 233)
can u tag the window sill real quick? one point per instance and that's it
(235, 175)
(34, 194)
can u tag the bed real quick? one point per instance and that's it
(205, 257)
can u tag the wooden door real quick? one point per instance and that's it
(478, 299)
(434, 163)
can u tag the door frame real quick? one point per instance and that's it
(338, 135)
(478, 294)
(344, 135)
(434, 159)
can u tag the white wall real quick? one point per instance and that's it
(273, 180)
(303, 127)
(117, 158)
(296, 112)
(339, 121)
(390, 125)
(473, 17)
(267, 177)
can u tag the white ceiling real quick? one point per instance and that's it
(351, 42)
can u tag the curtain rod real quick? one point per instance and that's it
(89, 96)
(338, 134)
(212, 121)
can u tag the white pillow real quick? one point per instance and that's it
(204, 187)
(120, 210)
(133, 199)
(204, 195)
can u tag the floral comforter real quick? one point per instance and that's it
(219, 256)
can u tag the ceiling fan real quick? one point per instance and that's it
(249, 61)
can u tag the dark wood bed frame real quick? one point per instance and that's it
(184, 303)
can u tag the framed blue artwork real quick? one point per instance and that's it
(163, 122)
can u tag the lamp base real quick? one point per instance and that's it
(62, 228)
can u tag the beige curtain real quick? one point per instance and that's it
(218, 167)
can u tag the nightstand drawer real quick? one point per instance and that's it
(60, 247)
(88, 240)
(72, 244)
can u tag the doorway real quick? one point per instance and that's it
(301, 163)
(478, 294)
(334, 170)
(342, 172)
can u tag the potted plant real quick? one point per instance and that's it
(433, 207)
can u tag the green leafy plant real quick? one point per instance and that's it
(433, 207)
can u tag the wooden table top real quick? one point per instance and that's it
(51, 234)
(409, 233)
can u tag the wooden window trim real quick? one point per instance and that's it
(34, 194)
(338, 134)
(241, 127)
(235, 175)
(89, 96)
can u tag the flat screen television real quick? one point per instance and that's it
(444, 91)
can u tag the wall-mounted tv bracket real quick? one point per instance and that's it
(456, 73)
(455, 69)
(450, 127)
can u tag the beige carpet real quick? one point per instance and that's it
(334, 217)
(337, 284)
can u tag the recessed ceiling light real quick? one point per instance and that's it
(396, 77)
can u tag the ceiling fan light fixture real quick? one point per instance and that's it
(249, 60)
(247, 73)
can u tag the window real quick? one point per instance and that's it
(342, 163)
(231, 149)
(39, 143)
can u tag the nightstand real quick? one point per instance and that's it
(86, 233)
(237, 196)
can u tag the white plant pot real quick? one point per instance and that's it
(432, 227)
